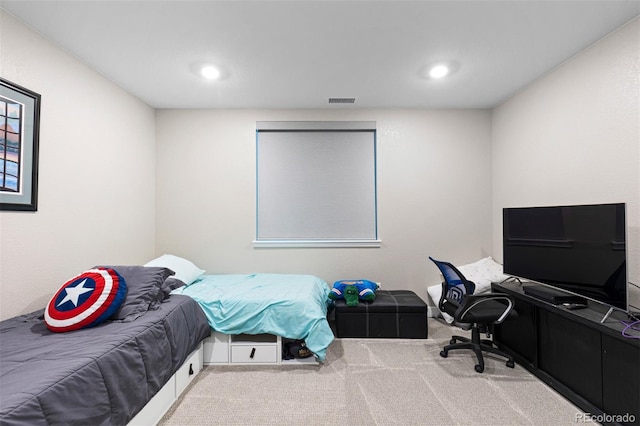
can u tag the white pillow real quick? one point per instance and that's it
(483, 269)
(185, 270)
(483, 273)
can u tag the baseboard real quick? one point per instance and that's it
(433, 312)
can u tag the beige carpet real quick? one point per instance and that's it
(374, 382)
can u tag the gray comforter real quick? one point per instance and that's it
(96, 376)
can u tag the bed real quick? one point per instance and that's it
(53, 371)
(103, 375)
(288, 305)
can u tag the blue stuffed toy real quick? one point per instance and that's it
(352, 291)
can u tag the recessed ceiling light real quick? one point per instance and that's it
(210, 72)
(439, 71)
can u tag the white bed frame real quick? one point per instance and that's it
(171, 391)
(217, 349)
(246, 349)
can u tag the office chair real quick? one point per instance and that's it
(482, 311)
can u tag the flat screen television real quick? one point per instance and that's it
(580, 249)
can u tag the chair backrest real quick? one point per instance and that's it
(455, 286)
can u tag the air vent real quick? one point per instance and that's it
(342, 100)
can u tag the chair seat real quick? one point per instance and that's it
(486, 312)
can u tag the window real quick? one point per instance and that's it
(316, 184)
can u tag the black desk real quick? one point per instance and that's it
(589, 363)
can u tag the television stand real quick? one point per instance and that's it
(551, 295)
(607, 315)
(592, 364)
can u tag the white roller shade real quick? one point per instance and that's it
(316, 184)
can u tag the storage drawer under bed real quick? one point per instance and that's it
(258, 354)
(189, 370)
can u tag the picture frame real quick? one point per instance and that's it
(19, 139)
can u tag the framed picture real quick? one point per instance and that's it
(19, 131)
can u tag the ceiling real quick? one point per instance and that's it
(298, 54)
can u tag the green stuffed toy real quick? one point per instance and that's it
(352, 291)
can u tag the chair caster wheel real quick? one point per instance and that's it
(443, 354)
(510, 364)
(452, 341)
(479, 368)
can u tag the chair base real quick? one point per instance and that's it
(478, 346)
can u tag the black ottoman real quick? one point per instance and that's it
(393, 314)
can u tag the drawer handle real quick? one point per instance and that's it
(253, 352)
(191, 369)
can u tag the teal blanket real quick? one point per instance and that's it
(287, 305)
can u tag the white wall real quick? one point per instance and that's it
(434, 194)
(573, 137)
(96, 174)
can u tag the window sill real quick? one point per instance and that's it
(317, 243)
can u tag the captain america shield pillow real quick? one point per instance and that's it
(85, 300)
